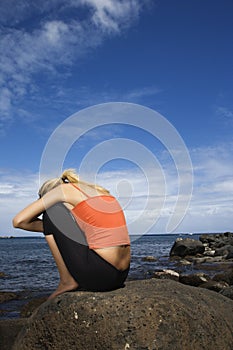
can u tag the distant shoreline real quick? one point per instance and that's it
(132, 235)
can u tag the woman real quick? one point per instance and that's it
(86, 231)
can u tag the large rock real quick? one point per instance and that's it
(187, 246)
(150, 314)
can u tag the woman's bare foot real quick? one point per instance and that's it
(64, 287)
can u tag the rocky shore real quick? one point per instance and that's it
(210, 259)
(172, 310)
(211, 256)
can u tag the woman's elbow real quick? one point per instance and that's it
(17, 223)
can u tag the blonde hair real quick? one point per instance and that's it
(68, 176)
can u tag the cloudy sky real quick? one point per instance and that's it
(174, 57)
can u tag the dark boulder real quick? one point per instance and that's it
(187, 246)
(217, 240)
(209, 238)
(214, 285)
(148, 314)
(229, 256)
(195, 279)
(224, 250)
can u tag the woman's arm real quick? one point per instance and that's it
(28, 218)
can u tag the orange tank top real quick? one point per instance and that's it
(102, 220)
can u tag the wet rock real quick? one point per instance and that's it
(195, 279)
(224, 251)
(6, 296)
(217, 240)
(199, 260)
(3, 275)
(185, 262)
(187, 246)
(206, 254)
(148, 314)
(214, 268)
(208, 259)
(229, 256)
(226, 276)
(149, 258)
(214, 285)
(166, 274)
(208, 251)
(209, 238)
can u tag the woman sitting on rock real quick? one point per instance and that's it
(86, 231)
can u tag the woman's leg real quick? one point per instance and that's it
(67, 282)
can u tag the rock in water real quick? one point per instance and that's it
(187, 246)
(195, 279)
(149, 314)
(166, 274)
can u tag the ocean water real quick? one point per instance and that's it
(28, 265)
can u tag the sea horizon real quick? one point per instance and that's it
(133, 234)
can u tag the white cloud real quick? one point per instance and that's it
(225, 186)
(211, 205)
(17, 190)
(40, 38)
(137, 94)
(210, 209)
(6, 188)
(111, 15)
(54, 31)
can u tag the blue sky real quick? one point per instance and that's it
(174, 57)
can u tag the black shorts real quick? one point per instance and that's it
(89, 269)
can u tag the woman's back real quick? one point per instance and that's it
(101, 218)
